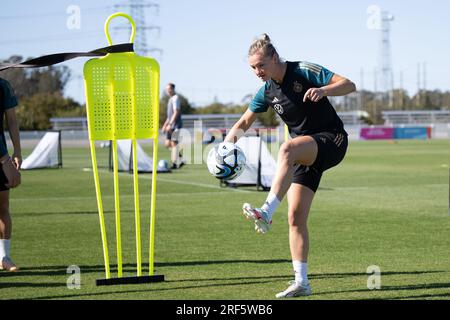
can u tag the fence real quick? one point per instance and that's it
(74, 130)
(419, 117)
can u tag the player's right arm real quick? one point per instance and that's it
(241, 126)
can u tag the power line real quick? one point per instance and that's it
(386, 62)
(137, 12)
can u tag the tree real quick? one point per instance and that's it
(27, 82)
(34, 112)
(220, 108)
(40, 94)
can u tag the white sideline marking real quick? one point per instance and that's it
(196, 184)
(121, 196)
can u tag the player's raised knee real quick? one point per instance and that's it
(286, 152)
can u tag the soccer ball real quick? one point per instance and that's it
(226, 161)
(163, 165)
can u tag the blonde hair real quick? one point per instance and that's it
(264, 45)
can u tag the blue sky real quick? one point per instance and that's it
(205, 43)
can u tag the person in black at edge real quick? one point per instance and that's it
(9, 171)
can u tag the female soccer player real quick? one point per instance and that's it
(298, 92)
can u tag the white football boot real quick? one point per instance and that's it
(263, 223)
(8, 265)
(295, 290)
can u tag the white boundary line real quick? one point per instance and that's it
(196, 184)
(121, 196)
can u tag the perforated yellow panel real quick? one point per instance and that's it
(122, 96)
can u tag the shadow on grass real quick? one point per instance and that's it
(326, 189)
(4, 285)
(425, 286)
(424, 296)
(232, 281)
(52, 270)
(130, 267)
(256, 281)
(363, 274)
(156, 290)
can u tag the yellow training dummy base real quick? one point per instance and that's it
(122, 101)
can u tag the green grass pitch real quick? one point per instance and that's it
(386, 205)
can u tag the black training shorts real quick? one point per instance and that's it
(3, 180)
(173, 135)
(332, 147)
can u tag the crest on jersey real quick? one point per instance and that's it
(298, 87)
(278, 108)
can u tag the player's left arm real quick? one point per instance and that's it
(13, 128)
(338, 86)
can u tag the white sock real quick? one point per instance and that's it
(271, 204)
(300, 271)
(4, 248)
(175, 156)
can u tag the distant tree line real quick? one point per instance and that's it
(375, 102)
(41, 97)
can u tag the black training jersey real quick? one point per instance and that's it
(7, 101)
(302, 118)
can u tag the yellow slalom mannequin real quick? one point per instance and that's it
(122, 101)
